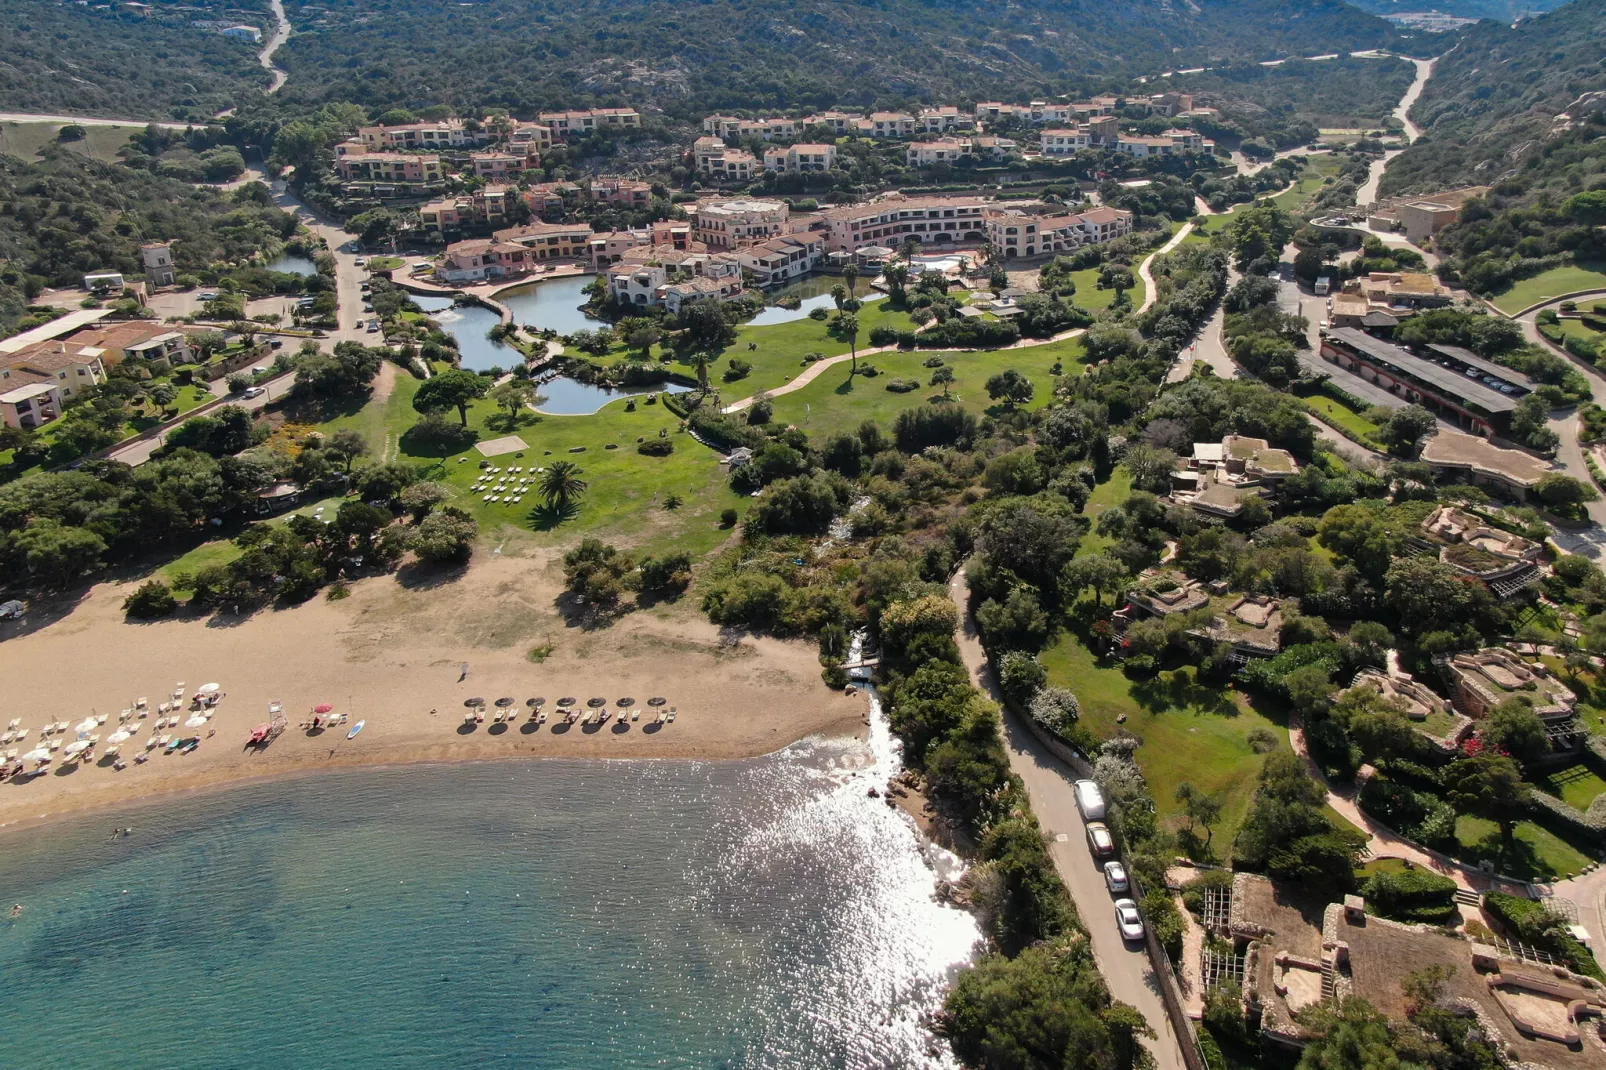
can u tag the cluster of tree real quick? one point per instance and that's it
(1286, 833)
(67, 215)
(596, 574)
(199, 74)
(1262, 338)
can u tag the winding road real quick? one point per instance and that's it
(281, 34)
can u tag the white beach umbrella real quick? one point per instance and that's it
(79, 747)
(195, 722)
(38, 754)
(118, 736)
(88, 724)
(207, 689)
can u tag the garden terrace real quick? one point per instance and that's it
(1252, 623)
(1284, 927)
(1383, 954)
(1483, 680)
(1162, 593)
(1429, 713)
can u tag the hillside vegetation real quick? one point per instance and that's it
(689, 57)
(68, 59)
(66, 215)
(1496, 97)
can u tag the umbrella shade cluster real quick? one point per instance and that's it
(596, 703)
(626, 703)
(505, 701)
(471, 703)
(535, 703)
(566, 701)
(657, 700)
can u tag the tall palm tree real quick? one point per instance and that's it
(850, 273)
(562, 486)
(700, 360)
(848, 325)
(839, 294)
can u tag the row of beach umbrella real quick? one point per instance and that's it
(563, 703)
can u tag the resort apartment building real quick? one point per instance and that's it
(37, 380)
(727, 127)
(132, 340)
(1172, 143)
(653, 284)
(487, 206)
(484, 258)
(444, 134)
(945, 120)
(500, 166)
(1017, 234)
(804, 156)
(551, 241)
(1066, 141)
(838, 122)
(890, 220)
(580, 123)
(780, 260)
(530, 138)
(398, 167)
(665, 238)
(734, 223)
(888, 124)
(951, 149)
(550, 198)
(717, 161)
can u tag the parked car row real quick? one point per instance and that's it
(1090, 802)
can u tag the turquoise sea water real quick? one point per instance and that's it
(554, 913)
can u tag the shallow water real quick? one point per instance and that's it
(553, 303)
(570, 397)
(815, 293)
(558, 913)
(471, 325)
(291, 264)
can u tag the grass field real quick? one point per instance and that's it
(835, 403)
(1318, 169)
(1576, 329)
(782, 346)
(26, 139)
(1575, 785)
(1089, 296)
(1536, 854)
(222, 551)
(1190, 731)
(1589, 275)
(1112, 491)
(1341, 415)
(627, 490)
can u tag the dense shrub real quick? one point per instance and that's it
(1411, 895)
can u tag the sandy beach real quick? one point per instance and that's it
(391, 655)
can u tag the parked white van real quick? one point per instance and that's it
(1089, 800)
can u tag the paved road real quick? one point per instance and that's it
(137, 453)
(1367, 194)
(1125, 967)
(281, 34)
(1569, 454)
(1149, 296)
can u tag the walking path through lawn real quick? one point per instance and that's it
(815, 370)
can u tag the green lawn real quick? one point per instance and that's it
(101, 143)
(1089, 296)
(1318, 169)
(834, 402)
(624, 503)
(1190, 731)
(1341, 415)
(222, 551)
(1575, 785)
(1537, 853)
(1112, 491)
(1590, 275)
(1576, 329)
(782, 346)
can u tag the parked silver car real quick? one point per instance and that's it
(1128, 919)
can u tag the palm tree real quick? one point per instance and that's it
(700, 359)
(561, 485)
(850, 272)
(848, 325)
(839, 294)
(897, 276)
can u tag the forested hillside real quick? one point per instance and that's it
(67, 215)
(63, 58)
(1290, 103)
(1498, 94)
(697, 55)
